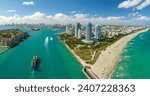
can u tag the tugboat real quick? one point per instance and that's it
(35, 63)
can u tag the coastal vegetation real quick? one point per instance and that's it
(12, 37)
(88, 52)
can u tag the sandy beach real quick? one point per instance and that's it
(106, 62)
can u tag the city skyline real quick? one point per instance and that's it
(106, 12)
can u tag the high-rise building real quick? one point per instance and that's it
(77, 27)
(97, 32)
(69, 29)
(88, 33)
(80, 34)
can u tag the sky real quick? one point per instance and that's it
(104, 12)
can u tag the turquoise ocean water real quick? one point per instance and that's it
(55, 60)
(2, 49)
(135, 59)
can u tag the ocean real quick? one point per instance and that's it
(56, 62)
(134, 62)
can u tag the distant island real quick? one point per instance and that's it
(37, 27)
(12, 37)
(56, 27)
(34, 27)
(88, 44)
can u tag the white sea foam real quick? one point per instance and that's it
(32, 75)
(125, 50)
(141, 38)
(120, 74)
(133, 40)
(141, 35)
(121, 68)
(119, 60)
(131, 43)
(126, 57)
(117, 75)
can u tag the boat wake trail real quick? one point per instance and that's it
(32, 76)
(48, 63)
(46, 41)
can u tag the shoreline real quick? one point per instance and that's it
(107, 61)
(1, 52)
(78, 59)
(81, 62)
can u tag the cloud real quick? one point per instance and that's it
(81, 16)
(28, 3)
(75, 12)
(11, 11)
(143, 5)
(60, 15)
(133, 14)
(137, 4)
(136, 16)
(115, 18)
(129, 3)
(142, 18)
(61, 18)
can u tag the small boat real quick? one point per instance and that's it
(35, 63)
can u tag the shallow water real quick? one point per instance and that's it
(135, 59)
